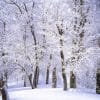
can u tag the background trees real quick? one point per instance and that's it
(38, 36)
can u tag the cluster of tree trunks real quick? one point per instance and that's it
(34, 80)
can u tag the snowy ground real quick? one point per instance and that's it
(0, 98)
(51, 94)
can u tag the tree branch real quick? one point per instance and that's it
(14, 3)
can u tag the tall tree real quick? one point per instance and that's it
(61, 33)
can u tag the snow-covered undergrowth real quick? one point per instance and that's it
(51, 94)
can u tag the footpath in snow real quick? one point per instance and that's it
(51, 94)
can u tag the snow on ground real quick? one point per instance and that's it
(0, 97)
(51, 94)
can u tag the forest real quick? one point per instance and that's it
(49, 44)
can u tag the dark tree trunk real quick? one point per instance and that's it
(6, 76)
(36, 77)
(36, 74)
(24, 81)
(72, 80)
(47, 73)
(47, 76)
(30, 80)
(98, 81)
(4, 94)
(3, 90)
(54, 78)
(63, 71)
(64, 79)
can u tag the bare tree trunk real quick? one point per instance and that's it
(36, 74)
(25, 81)
(6, 77)
(98, 81)
(36, 77)
(63, 67)
(3, 90)
(30, 80)
(72, 80)
(64, 79)
(54, 78)
(47, 75)
(4, 95)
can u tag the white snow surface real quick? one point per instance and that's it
(0, 98)
(51, 94)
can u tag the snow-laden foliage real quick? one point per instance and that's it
(29, 35)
